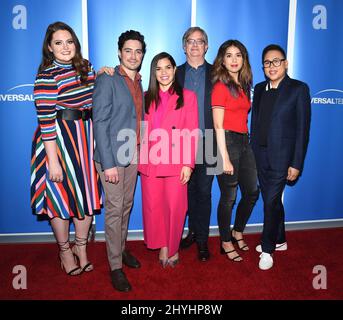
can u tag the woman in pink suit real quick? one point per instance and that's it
(167, 157)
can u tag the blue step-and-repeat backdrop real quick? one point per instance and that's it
(313, 37)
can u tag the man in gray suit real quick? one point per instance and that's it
(117, 112)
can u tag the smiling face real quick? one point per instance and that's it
(131, 55)
(165, 73)
(195, 45)
(62, 46)
(233, 61)
(275, 74)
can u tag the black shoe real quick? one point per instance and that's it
(203, 253)
(119, 280)
(129, 260)
(188, 241)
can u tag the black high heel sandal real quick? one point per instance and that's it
(234, 240)
(164, 262)
(174, 262)
(79, 242)
(64, 246)
(234, 259)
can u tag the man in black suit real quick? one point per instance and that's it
(195, 75)
(280, 127)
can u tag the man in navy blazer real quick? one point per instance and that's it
(195, 75)
(280, 125)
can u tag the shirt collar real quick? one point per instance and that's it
(269, 85)
(122, 72)
(201, 67)
(167, 93)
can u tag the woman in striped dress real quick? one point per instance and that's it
(64, 182)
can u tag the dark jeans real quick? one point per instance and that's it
(245, 176)
(199, 202)
(272, 185)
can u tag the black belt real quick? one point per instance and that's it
(68, 114)
(239, 133)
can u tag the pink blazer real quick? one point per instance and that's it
(178, 134)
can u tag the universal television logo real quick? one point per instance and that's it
(17, 96)
(328, 97)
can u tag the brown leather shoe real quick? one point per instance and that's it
(119, 280)
(188, 241)
(129, 260)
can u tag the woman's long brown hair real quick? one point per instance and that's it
(81, 65)
(220, 73)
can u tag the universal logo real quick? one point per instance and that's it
(15, 95)
(328, 96)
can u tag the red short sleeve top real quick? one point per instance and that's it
(236, 108)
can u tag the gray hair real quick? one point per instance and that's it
(189, 31)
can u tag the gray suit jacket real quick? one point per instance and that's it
(114, 121)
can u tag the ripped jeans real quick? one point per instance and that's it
(245, 176)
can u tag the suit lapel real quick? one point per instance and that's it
(181, 73)
(207, 97)
(257, 96)
(281, 96)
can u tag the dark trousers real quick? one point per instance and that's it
(272, 185)
(199, 201)
(245, 176)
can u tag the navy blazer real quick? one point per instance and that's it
(289, 127)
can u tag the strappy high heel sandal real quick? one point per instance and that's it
(234, 259)
(64, 246)
(164, 260)
(242, 248)
(80, 242)
(173, 262)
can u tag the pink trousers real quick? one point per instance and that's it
(164, 202)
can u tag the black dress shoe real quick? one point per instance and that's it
(129, 260)
(119, 280)
(203, 253)
(188, 241)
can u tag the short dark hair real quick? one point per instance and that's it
(271, 47)
(131, 35)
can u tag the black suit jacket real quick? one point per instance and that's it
(288, 134)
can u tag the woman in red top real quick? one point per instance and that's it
(232, 80)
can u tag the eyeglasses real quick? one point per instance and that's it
(192, 42)
(276, 63)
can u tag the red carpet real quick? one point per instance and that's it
(218, 279)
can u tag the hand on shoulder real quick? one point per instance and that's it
(107, 70)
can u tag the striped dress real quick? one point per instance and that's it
(56, 88)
